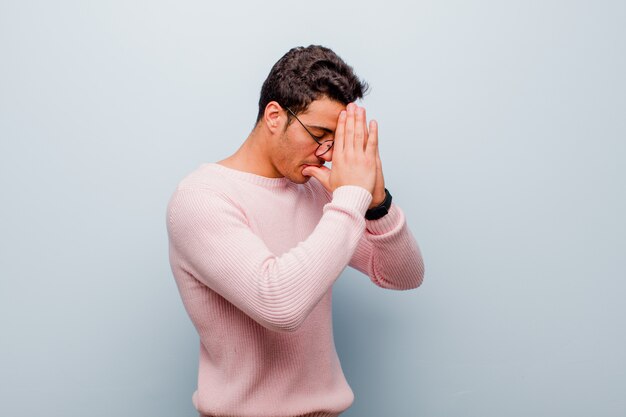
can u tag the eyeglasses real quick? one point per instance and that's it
(323, 146)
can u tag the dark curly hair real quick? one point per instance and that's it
(303, 75)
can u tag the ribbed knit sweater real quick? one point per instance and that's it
(255, 259)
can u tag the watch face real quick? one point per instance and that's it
(376, 213)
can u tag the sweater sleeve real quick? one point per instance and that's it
(389, 254)
(213, 242)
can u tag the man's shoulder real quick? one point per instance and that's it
(204, 176)
(203, 184)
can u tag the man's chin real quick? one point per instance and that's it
(298, 178)
(302, 179)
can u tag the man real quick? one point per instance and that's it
(258, 239)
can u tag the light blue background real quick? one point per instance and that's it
(503, 130)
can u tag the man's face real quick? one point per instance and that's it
(296, 148)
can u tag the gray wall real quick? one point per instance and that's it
(502, 136)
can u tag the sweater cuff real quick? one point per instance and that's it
(387, 223)
(352, 197)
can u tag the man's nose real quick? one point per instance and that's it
(328, 156)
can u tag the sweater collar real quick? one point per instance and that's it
(248, 176)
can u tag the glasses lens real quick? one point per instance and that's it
(324, 147)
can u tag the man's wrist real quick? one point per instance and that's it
(377, 200)
(381, 210)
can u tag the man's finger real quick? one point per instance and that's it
(379, 170)
(372, 141)
(365, 130)
(348, 144)
(359, 130)
(340, 132)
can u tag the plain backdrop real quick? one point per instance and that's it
(503, 130)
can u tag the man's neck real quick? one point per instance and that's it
(252, 157)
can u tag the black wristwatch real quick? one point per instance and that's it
(379, 211)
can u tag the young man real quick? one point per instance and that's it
(258, 239)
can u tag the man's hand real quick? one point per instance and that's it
(356, 160)
(378, 196)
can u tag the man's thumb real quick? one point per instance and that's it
(322, 174)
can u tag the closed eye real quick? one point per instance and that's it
(326, 132)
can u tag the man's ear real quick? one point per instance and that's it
(274, 117)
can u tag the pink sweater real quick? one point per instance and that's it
(255, 259)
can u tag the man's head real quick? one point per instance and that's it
(303, 75)
(313, 85)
